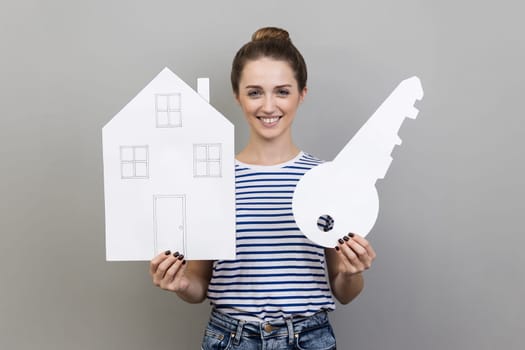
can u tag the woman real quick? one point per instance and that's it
(276, 293)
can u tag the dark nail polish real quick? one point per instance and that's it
(340, 241)
(181, 257)
(167, 252)
(351, 235)
(337, 248)
(183, 262)
(346, 238)
(176, 254)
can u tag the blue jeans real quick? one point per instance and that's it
(308, 333)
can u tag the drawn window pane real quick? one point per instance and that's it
(175, 118)
(134, 162)
(214, 152)
(200, 152)
(168, 110)
(126, 154)
(127, 169)
(174, 102)
(141, 154)
(162, 119)
(162, 102)
(141, 169)
(201, 169)
(214, 168)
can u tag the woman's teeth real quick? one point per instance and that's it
(269, 120)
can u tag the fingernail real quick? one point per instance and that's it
(340, 241)
(351, 235)
(167, 252)
(176, 254)
(346, 238)
(183, 262)
(337, 248)
(181, 257)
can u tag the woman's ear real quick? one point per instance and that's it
(302, 95)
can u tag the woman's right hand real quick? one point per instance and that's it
(168, 272)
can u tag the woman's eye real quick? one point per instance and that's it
(254, 93)
(283, 92)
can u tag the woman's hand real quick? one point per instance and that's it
(189, 280)
(168, 272)
(355, 254)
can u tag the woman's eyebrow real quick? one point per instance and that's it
(252, 87)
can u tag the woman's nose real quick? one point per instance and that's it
(268, 105)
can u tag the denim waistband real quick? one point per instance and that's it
(267, 329)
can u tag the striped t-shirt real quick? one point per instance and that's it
(278, 272)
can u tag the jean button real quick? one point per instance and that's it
(268, 328)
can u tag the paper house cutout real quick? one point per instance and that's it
(339, 197)
(169, 174)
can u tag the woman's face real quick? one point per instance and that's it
(269, 97)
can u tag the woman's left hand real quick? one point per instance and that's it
(355, 254)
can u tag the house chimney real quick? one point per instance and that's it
(203, 88)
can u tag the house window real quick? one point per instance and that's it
(207, 160)
(134, 162)
(168, 110)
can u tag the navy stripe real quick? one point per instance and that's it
(272, 305)
(277, 290)
(279, 229)
(221, 262)
(264, 180)
(272, 297)
(263, 203)
(272, 275)
(261, 215)
(269, 268)
(280, 252)
(267, 223)
(266, 192)
(265, 186)
(270, 237)
(267, 174)
(299, 282)
(282, 244)
(250, 198)
(297, 167)
(279, 208)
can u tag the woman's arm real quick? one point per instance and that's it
(188, 279)
(345, 263)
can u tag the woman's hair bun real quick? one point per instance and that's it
(273, 43)
(271, 33)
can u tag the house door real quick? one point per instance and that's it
(169, 216)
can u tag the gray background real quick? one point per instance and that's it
(449, 272)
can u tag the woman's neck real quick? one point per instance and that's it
(270, 152)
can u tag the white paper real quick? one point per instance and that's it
(343, 191)
(169, 175)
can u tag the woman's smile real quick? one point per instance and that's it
(269, 121)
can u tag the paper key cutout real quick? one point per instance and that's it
(340, 196)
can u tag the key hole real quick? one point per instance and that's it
(325, 223)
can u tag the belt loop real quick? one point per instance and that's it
(289, 325)
(238, 332)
